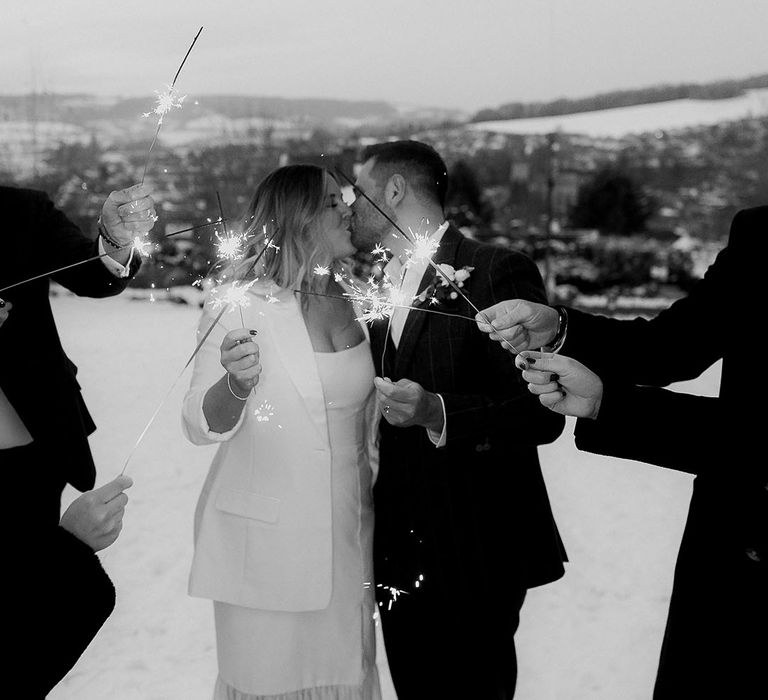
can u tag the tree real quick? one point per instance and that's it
(464, 201)
(612, 203)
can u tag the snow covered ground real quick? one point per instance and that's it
(620, 121)
(594, 635)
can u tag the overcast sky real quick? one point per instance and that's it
(444, 53)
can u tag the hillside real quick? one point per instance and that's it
(718, 90)
(82, 109)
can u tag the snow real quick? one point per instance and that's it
(621, 121)
(595, 634)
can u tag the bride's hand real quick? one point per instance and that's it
(240, 358)
(562, 384)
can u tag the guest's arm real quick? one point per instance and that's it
(678, 344)
(648, 424)
(56, 242)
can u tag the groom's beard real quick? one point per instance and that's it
(369, 228)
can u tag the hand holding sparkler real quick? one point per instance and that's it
(405, 403)
(525, 325)
(240, 359)
(563, 385)
(126, 215)
(96, 517)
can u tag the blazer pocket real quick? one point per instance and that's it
(248, 505)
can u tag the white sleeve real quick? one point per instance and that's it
(439, 439)
(207, 370)
(112, 265)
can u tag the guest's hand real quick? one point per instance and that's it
(405, 403)
(521, 323)
(5, 309)
(96, 517)
(240, 358)
(562, 384)
(127, 213)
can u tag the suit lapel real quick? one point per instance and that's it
(414, 324)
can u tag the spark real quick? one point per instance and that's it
(141, 246)
(271, 299)
(321, 270)
(264, 412)
(166, 101)
(230, 246)
(424, 246)
(380, 253)
(377, 299)
(394, 593)
(236, 296)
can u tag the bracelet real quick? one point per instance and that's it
(562, 327)
(103, 233)
(239, 398)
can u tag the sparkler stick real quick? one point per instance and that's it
(437, 268)
(132, 244)
(394, 306)
(226, 236)
(165, 102)
(192, 356)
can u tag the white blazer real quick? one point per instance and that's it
(263, 521)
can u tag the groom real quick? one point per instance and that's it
(463, 521)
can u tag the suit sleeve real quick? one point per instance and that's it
(505, 406)
(669, 429)
(678, 344)
(60, 243)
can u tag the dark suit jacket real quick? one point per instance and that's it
(474, 514)
(719, 599)
(35, 373)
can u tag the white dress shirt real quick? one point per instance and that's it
(407, 276)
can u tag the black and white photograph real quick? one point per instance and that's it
(384, 351)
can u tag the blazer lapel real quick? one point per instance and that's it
(295, 351)
(446, 253)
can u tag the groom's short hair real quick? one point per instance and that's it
(420, 164)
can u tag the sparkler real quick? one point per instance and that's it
(384, 307)
(267, 246)
(447, 279)
(137, 244)
(165, 102)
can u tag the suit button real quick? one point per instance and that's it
(753, 554)
(479, 448)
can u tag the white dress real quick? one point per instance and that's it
(332, 651)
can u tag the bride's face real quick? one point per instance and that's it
(333, 223)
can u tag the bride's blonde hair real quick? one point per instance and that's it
(284, 208)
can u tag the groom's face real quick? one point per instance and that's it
(368, 225)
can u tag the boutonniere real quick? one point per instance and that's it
(439, 291)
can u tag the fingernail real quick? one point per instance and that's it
(554, 377)
(252, 332)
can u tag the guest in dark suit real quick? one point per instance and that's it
(44, 427)
(463, 521)
(715, 641)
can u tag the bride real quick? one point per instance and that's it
(284, 524)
